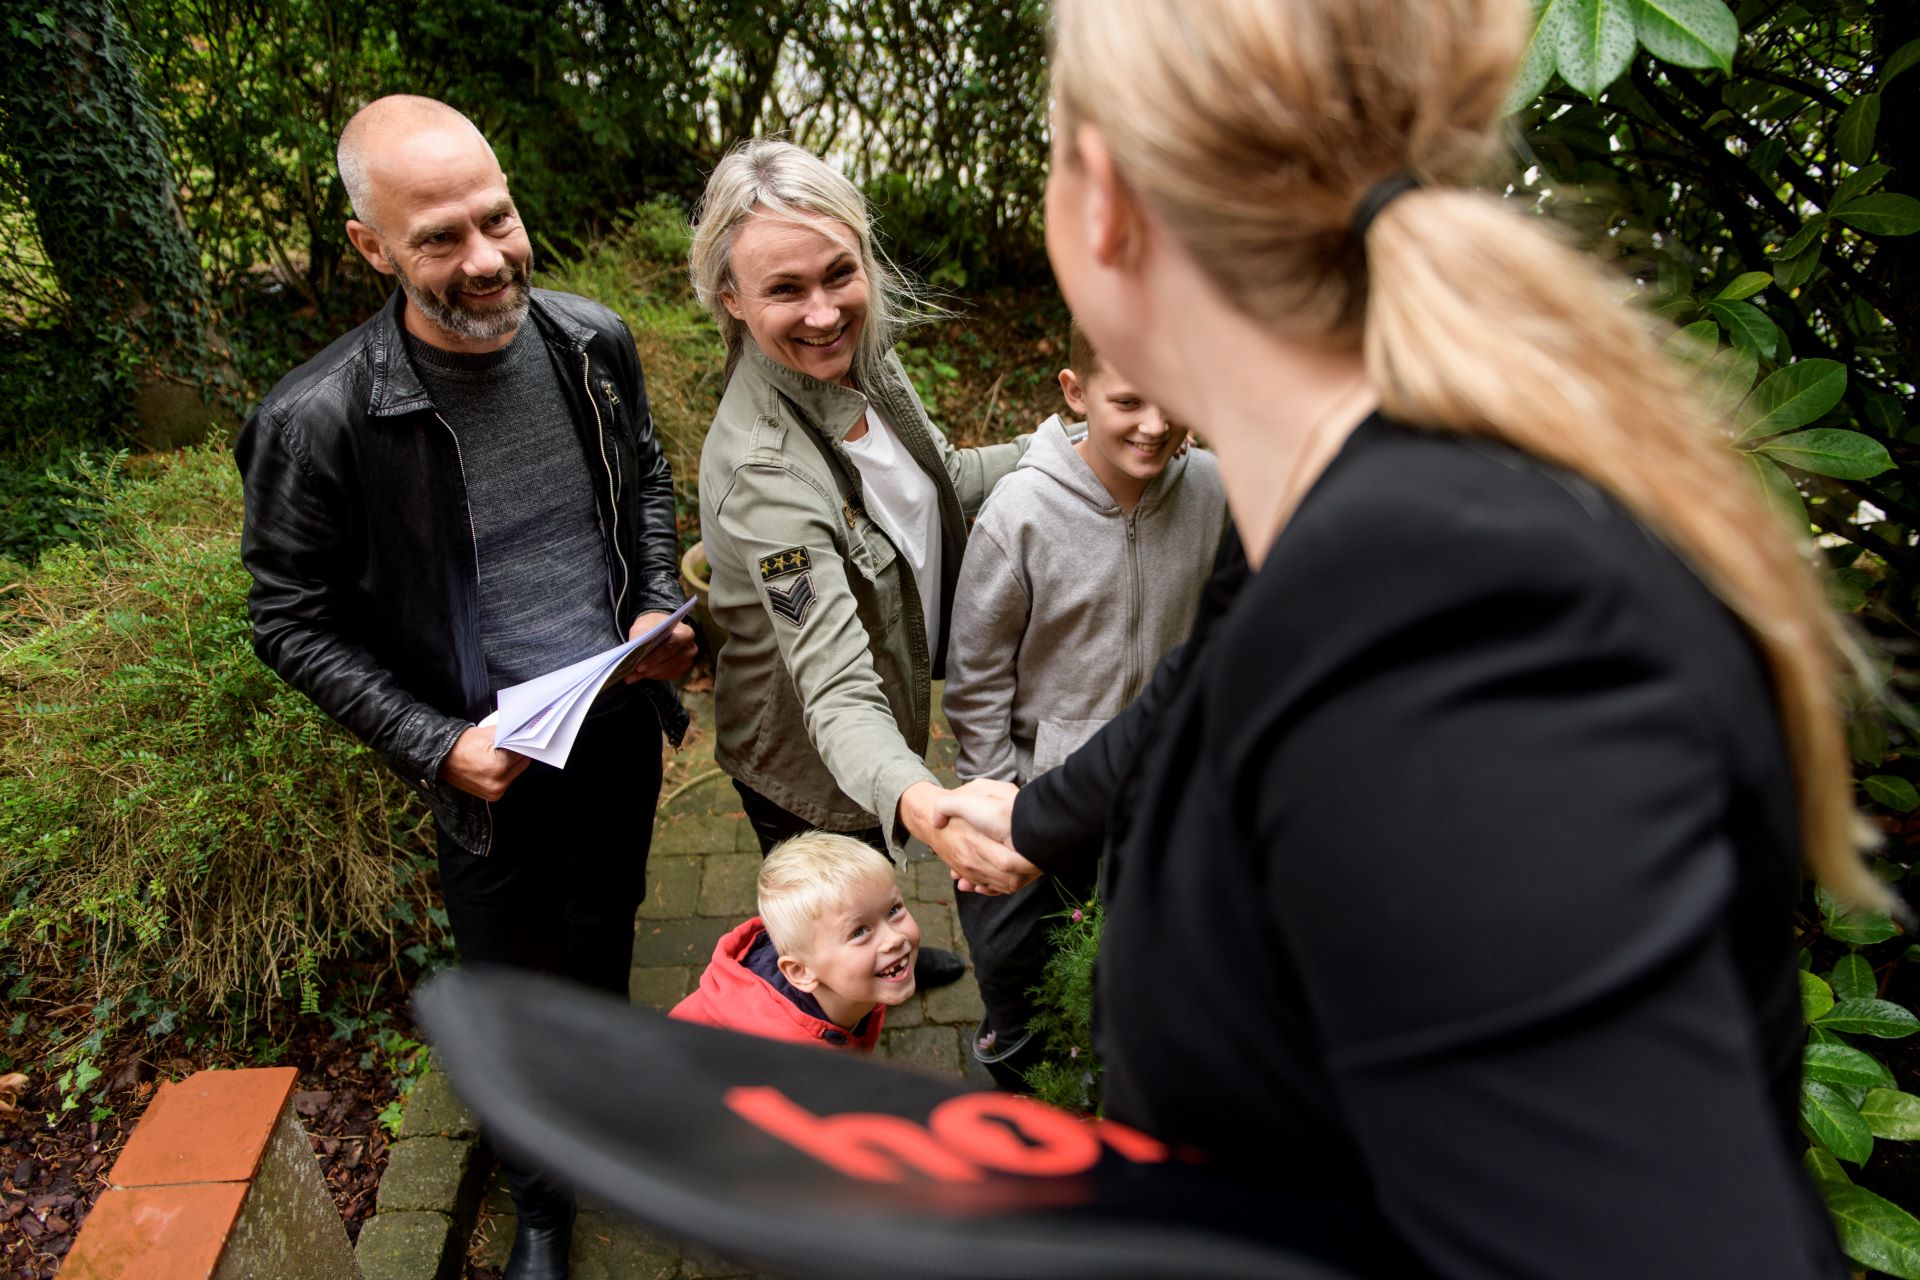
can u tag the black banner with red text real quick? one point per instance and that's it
(806, 1161)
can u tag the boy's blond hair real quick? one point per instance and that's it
(807, 875)
(1082, 357)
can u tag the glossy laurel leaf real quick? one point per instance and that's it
(1903, 57)
(1794, 396)
(1890, 1113)
(1745, 285)
(1858, 124)
(1844, 1065)
(1747, 325)
(1862, 930)
(1802, 240)
(1822, 1167)
(1856, 929)
(1726, 377)
(1831, 451)
(1895, 793)
(1881, 1018)
(1852, 978)
(1537, 61)
(1816, 997)
(1835, 1122)
(1859, 182)
(1874, 1232)
(1688, 33)
(1885, 214)
(1594, 43)
(1783, 496)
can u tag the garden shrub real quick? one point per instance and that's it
(175, 822)
(1069, 1075)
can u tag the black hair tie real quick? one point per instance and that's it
(1379, 196)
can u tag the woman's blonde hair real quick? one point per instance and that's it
(808, 875)
(1253, 128)
(774, 178)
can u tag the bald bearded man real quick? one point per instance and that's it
(461, 494)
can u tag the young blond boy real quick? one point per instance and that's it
(831, 950)
(1084, 568)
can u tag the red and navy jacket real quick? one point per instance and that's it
(744, 990)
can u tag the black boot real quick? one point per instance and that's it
(935, 967)
(541, 1248)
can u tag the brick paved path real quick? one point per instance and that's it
(700, 879)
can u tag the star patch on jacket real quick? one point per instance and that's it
(780, 563)
(790, 601)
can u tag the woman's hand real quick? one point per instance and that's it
(983, 804)
(980, 861)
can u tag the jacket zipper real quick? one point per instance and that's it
(613, 492)
(1133, 607)
(473, 540)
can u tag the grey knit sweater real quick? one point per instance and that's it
(543, 575)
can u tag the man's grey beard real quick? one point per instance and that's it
(483, 326)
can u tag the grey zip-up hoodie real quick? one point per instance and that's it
(1065, 603)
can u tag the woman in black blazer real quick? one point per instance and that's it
(1451, 875)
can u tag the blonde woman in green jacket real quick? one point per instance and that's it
(834, 516)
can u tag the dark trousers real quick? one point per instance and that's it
(771, 824)
(558, 890)
(1009, 937)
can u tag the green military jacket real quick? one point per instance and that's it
(824, 690)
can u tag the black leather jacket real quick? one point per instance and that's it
(365, 580)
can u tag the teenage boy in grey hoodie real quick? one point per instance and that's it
(1084, 568)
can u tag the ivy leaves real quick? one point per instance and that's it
(1592, 42)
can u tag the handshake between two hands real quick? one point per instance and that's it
(971, 830)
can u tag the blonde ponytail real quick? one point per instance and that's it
(1274, 119)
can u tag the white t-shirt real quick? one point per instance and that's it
(902, 500)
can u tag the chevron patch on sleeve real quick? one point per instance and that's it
(794, 601)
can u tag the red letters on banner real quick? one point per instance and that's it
(963, 1137)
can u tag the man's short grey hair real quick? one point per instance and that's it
(395, 111)
(774, 178)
